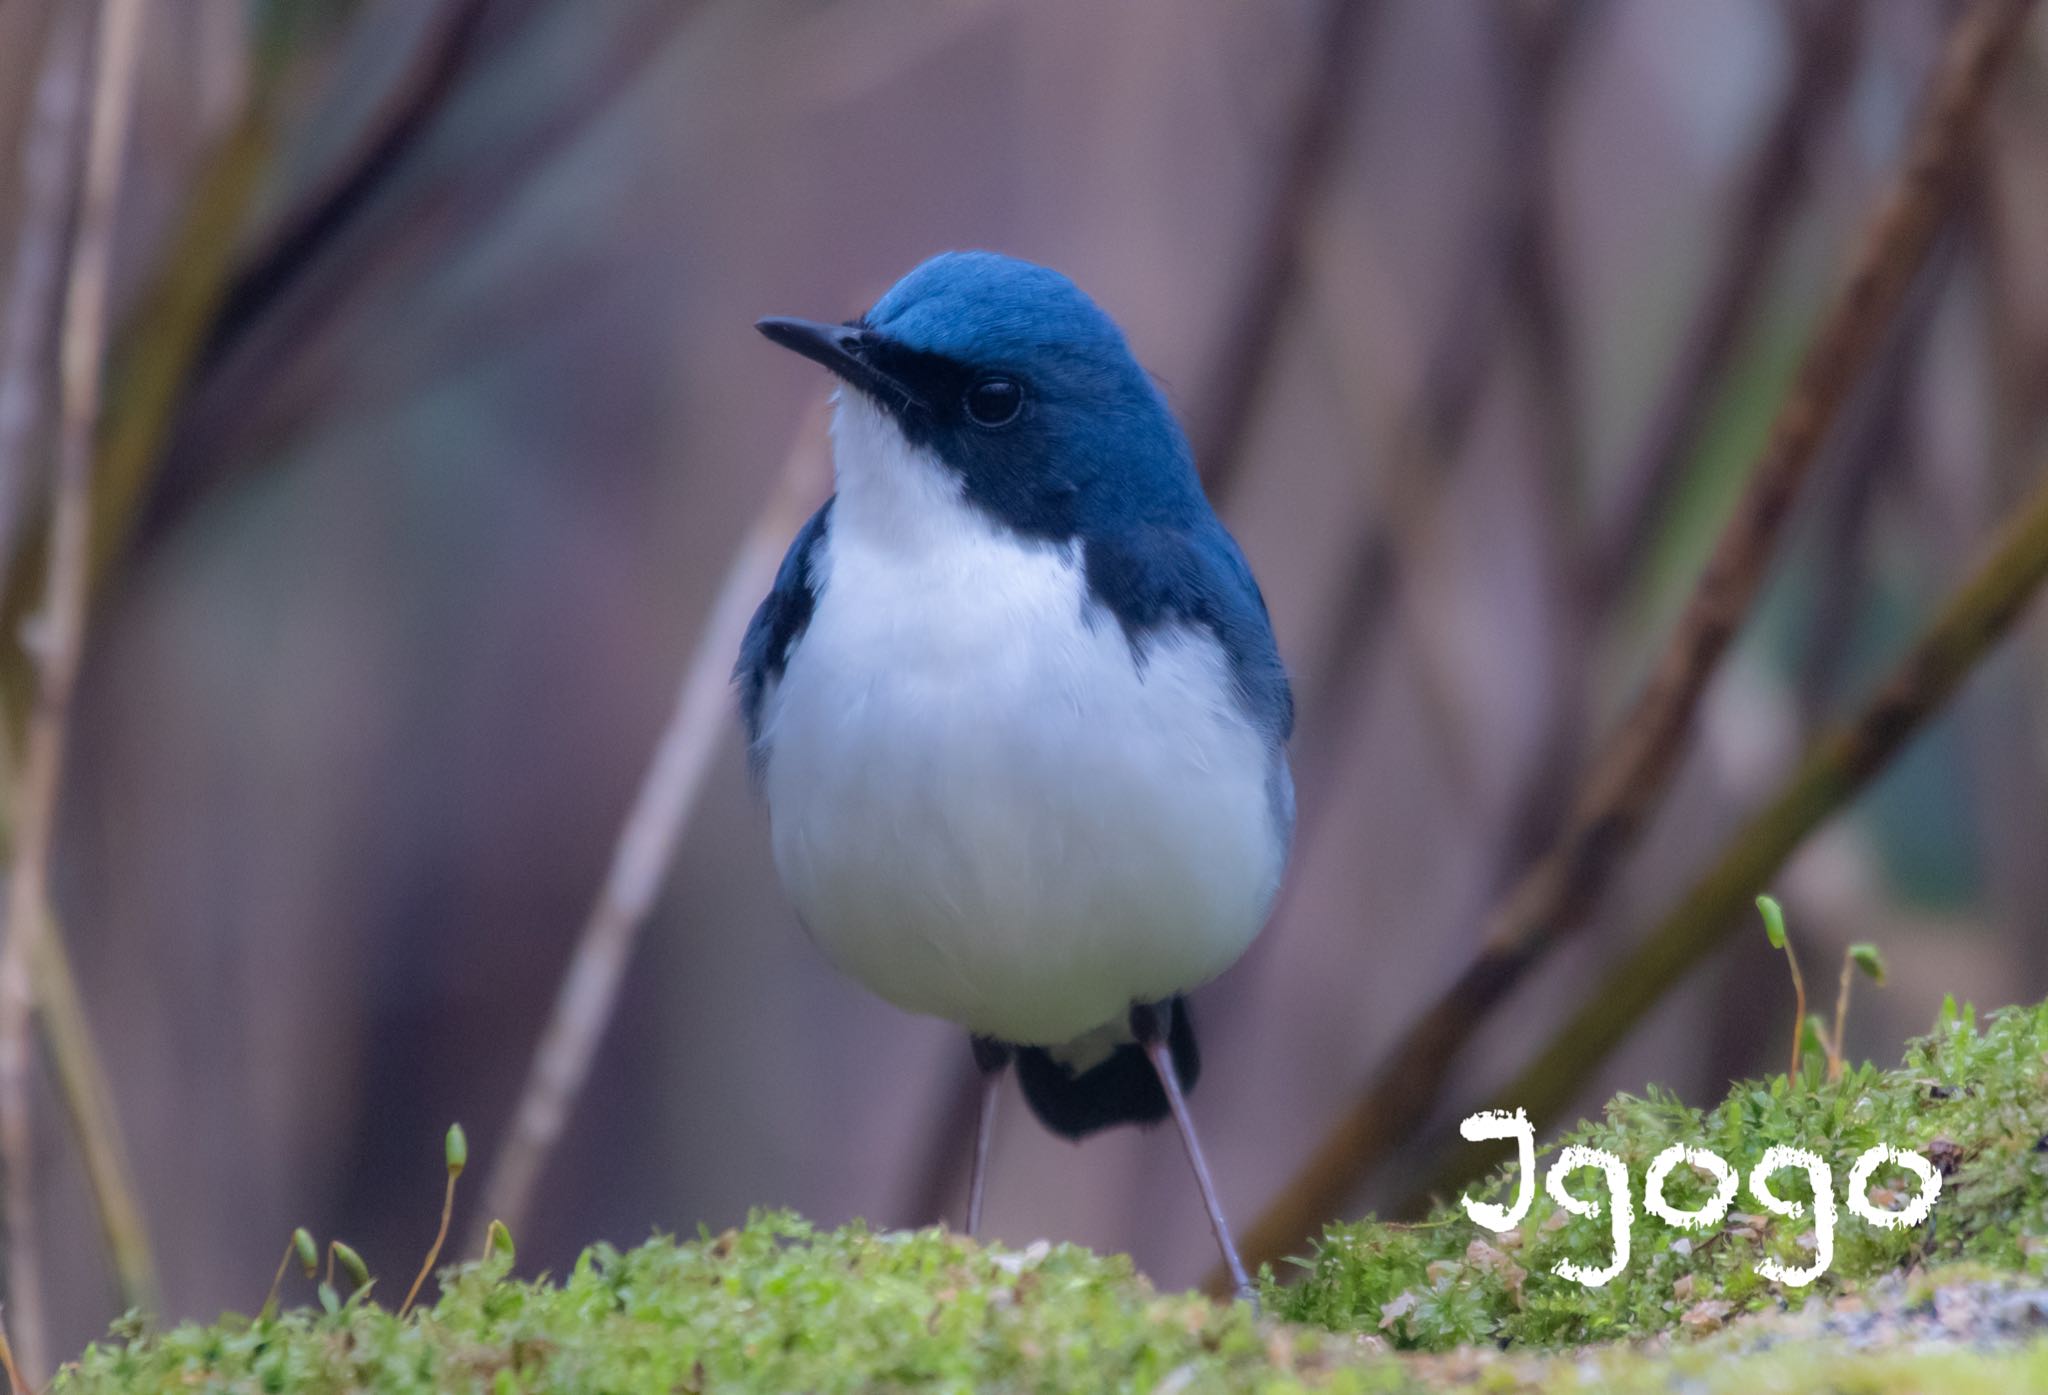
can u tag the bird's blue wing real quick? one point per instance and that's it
(779, 622)
(1156, 575)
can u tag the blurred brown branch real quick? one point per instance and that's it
(1769, 195)
(1429, 438)
(136, 389)
(1973, 620)
(1245, 347)
(654, 826)
(49, 170)
(1635, 763)
(304, 273)
(1531, 59)
(309, 226)
(1774, 188)
(17, 1384)
(138, 403)
(48, 181)
(281, 260)
(59, 645)
(1875, 442)
(150, 362)
(193, 306)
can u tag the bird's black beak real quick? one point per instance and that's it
(845, 349)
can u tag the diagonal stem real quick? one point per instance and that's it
(696, 728)
(1769, 193)
(1251, 329)
(60, 645)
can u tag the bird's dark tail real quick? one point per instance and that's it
(1119, 1090)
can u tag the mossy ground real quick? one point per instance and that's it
(1973, 1101)
(778, 1306)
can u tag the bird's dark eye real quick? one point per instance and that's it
(995, 401)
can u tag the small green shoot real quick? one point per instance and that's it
(498, 1240)
(302, 1247)
(352, 1265)
(1864, 959)
(456, 1153)
(1817, 1050)
(1774, 927)
(1774, 920)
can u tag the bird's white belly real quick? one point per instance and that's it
(986, 809)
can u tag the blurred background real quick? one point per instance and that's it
(1477, 314)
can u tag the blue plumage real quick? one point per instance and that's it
(1014, 698)
(1097, 457)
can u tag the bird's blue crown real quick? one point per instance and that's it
(1092, 443)
(1022, 386)
(974, 306)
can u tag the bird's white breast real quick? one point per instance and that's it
(985, 806)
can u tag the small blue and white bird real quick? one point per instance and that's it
(1014, 699)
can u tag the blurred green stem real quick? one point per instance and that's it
(143, 385)
(144, 378)
(59, 645)
(146, 374)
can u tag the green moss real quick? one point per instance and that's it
(1975, 1101)
(776, 1306)
(779, 1306)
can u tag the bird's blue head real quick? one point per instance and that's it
(1012, 377)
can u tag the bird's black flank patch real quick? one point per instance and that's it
(780, 621)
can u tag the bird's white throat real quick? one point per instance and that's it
(987, 806)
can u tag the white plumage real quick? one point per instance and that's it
(985, 805)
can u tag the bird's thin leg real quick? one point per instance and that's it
(993, 1057)
(1150, 1028)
